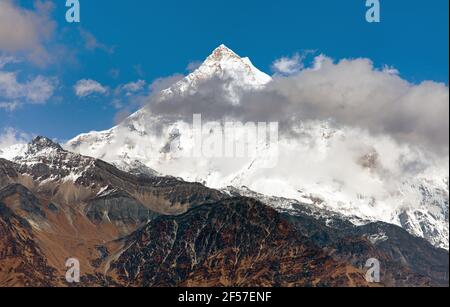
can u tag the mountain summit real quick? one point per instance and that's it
(224, 65)
(226, 61)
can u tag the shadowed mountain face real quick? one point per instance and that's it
(403, 256)
(8, 173)
(142, 230)
(118, 207)
(237, 242)
(22, 263)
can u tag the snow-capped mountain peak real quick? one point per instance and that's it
(226, 63)
(47, 161)
(228, 67)
(39, 146)
(41, 143)
(222, 53)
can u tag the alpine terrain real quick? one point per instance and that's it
(419, 204)
(137, 209)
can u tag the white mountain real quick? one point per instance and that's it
(224, 65)
(340, 170)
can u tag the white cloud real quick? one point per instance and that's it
(133, 87)
(288, 66)
(350, 92)
(27, 31)
(14, 93)
(87, 87)
(10, 136)
(9, 106)
(7, 59)
(128, 97)
(355, 93)
(161, 84)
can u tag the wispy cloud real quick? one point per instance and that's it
(14, 93)
(288, 65)
(7, 59)
(91, 42)
(192, 66)
(87, 87)
(128, 97)
(133, 87)
(139, 70)
(161, 84)
(9, 106)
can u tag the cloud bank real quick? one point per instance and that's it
(350, 92)
(16, 91)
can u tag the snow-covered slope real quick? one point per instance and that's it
(222, 64)
(11, 152)
(341, 170)
(47, 162)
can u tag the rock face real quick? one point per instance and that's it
(120, 209)
(7, 173)
(406, 260)
(144, 230)
(22, 262)
(23, 200)
(414, 253)
(237, 242)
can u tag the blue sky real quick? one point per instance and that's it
(120, 41)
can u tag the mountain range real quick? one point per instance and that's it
(417, 203)
(136, 213)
